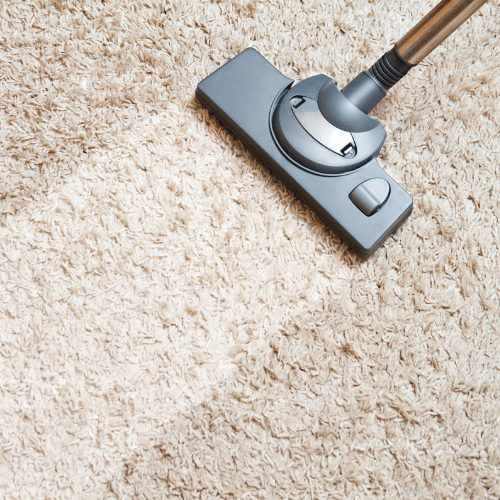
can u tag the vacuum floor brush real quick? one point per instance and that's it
(319, 140)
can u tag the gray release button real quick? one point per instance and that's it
(369, 196)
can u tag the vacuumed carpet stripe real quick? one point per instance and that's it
(175, 324)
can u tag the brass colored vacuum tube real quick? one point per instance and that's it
(441, 21)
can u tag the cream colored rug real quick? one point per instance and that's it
(174, 324)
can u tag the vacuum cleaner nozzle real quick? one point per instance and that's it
(319, 140)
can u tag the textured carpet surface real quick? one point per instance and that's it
(175, 324)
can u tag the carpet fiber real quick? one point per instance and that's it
(175, 324)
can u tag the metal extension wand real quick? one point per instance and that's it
(370, 87)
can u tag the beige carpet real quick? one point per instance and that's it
(174, 324)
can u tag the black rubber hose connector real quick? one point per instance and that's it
(390, 68)
(371, 86)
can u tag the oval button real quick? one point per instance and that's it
(370, 195)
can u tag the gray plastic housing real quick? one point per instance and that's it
(243, 94)
(367, 134)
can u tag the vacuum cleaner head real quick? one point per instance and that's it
(330, 166)
(319, 140)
